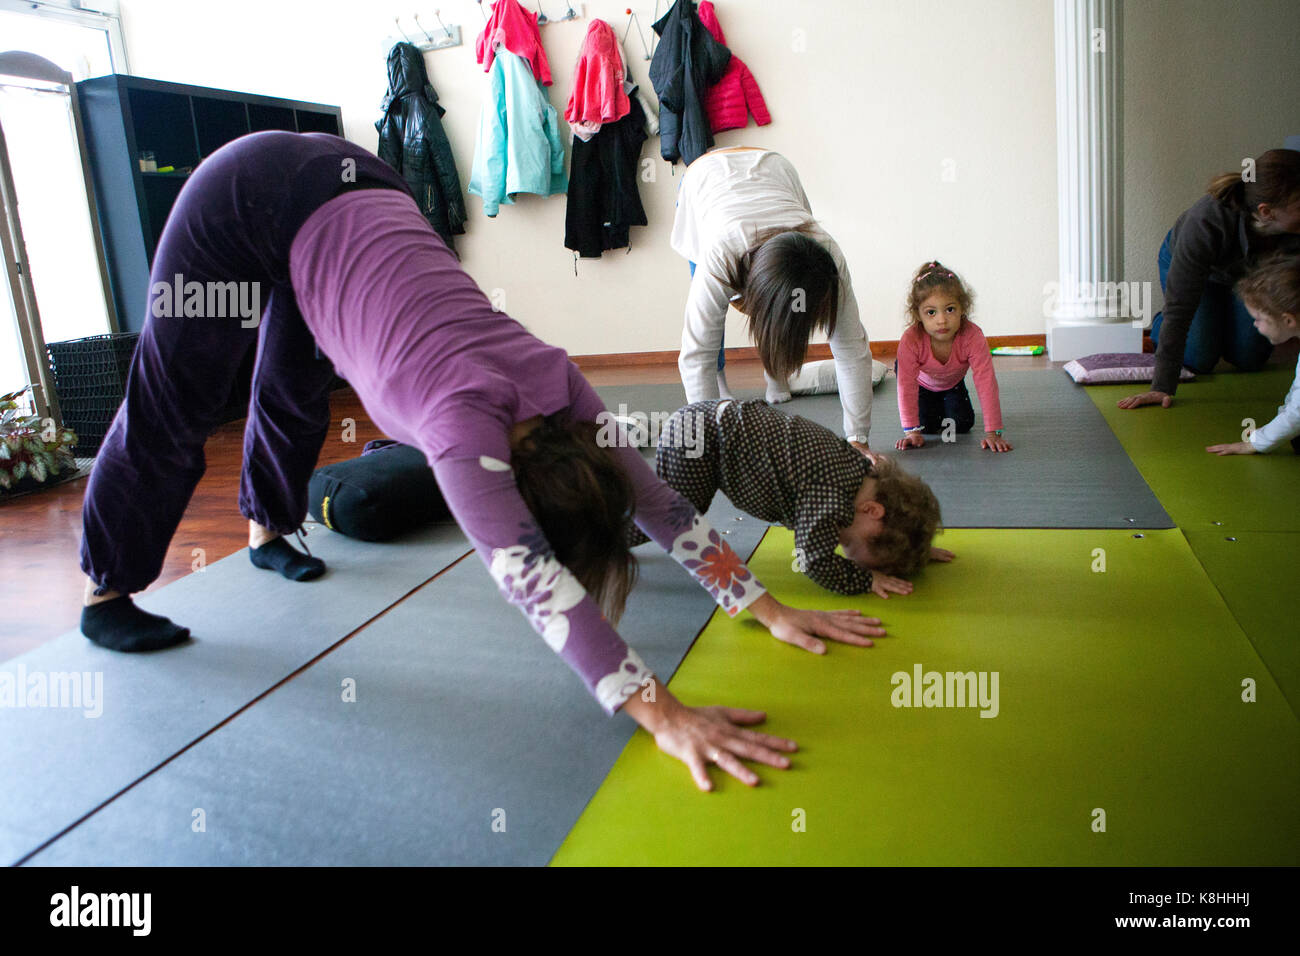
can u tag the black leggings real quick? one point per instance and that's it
(935, 407)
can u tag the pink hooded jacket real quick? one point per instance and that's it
(598, 96)
(516, 28)
(729, 102)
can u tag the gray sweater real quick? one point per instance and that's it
(1211, 242)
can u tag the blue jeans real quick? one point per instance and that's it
(1221, 327)
(722, 354)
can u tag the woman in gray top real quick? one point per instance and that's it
(1240, 220)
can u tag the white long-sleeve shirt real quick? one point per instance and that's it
(1287, 423)
(727, 200)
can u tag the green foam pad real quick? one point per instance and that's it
(1239, 492)
(1256, 575)
(1119, 690)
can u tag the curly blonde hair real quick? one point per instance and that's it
(933, 277)
(1273, 286)
(911, 520)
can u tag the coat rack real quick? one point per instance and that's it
(426, 40)
(572, 11)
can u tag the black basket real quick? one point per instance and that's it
(90, 381)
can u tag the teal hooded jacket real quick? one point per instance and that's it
(519, 147)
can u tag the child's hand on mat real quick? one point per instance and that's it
(910, 440)
(941, 554)
(1146, 398)
(1233, 448)
(883, 584)
(699, 736)
(802, 628)
(994, 442)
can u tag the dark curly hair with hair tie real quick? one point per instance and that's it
(934, 277)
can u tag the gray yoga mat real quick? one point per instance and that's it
(251, 628)
(461, 711)
(1066, 470)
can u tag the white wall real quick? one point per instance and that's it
(1206, 84)
(879, 96)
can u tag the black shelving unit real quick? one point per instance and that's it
(181, 125)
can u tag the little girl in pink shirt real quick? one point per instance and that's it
(939, 345)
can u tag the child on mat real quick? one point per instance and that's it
(1271, 294)
(789, 471)
(939, 345)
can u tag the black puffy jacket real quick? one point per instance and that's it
(412, 141)
(686, 63)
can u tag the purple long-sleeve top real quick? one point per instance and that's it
(437, 367)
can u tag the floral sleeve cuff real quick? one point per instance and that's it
(613, 690)
(718, 569)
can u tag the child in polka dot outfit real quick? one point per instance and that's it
(789, 471)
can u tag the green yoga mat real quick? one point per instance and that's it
(1118, 691)
(1201, 491)
(1256, 575)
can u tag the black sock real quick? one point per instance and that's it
(279, 555)
(121, 626)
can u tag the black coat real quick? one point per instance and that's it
(603, 196)
(686, 63)
(412, 141)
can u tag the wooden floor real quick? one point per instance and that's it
(40, 579)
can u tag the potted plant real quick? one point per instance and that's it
(31, 451)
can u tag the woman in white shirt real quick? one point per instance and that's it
(744, 223)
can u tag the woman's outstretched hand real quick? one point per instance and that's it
(992, 441)
(802, 628)
(1233, 448)
(1163, 399)
(699, 736)
(941, 554)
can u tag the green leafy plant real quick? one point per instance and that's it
(29, 447)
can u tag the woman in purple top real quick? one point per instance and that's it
(331, 241)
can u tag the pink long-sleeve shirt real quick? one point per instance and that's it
(917, 365)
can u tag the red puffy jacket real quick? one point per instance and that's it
(729, 102)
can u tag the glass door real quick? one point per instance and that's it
(58, 284)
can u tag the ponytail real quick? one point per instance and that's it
(1276, 183)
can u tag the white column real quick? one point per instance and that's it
(1092, 312)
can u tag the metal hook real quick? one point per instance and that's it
(398, 22)
(423, 30)
(480, 10)
(541, 14)
(639, 35)
(444, 26)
